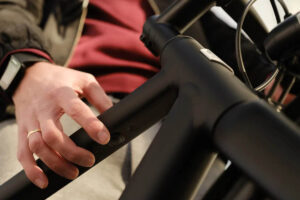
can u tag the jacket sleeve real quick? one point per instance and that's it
(19, 26)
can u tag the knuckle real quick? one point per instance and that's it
(75, 110)
(57, 93)
(91, 82)
(55, 166)
(53, 93)
(71, 156)
(50, 138)
(90, 77)
(36, 144)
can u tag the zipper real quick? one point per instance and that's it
(85, 4)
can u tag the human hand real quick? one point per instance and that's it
(46, 92)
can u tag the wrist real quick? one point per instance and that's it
(12, 71)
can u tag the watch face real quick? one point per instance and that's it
(10, 72)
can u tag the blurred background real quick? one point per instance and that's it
(264, 8)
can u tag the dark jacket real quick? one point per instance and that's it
(53, 26)
(49, 25)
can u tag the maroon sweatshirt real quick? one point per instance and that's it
(110, 47)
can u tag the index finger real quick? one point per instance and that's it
(83, 115)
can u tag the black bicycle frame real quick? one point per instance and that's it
(206, 109)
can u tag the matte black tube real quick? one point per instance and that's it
(253, 25)
(265, 145)
(178, 158)
(218, 87)
(284, 40)
(262, 142)
(180, 154)
(182, 13)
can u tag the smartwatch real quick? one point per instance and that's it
(12, 71)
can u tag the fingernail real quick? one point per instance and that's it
(71, 174)
(88, 161)
(91, 161)
(103, 137)
(76, 173)
(40, 183)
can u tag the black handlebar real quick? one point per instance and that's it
(284, 40)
